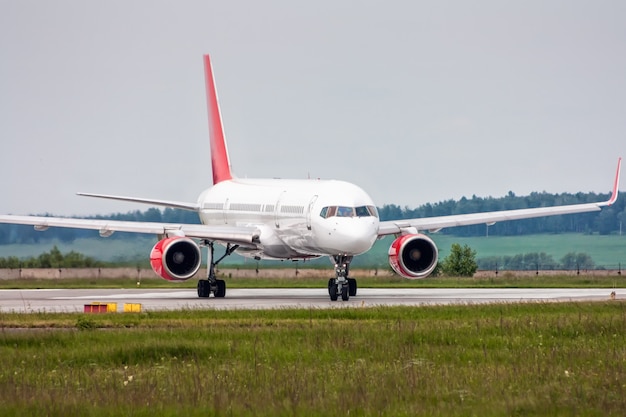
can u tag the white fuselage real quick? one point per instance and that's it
(297, 218)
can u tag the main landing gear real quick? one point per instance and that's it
(341, 285)
(212, 284)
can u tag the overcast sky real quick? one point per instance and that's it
(414, 101)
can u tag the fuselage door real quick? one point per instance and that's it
(309, 212)
(277, 209)
(225, 211)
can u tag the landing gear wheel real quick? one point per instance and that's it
(331, 282)
(220, 291)
(212, 284)
(352, 287)
(204, 288)
(344, 293)
(332, 290)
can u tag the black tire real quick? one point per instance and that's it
(204, 288)
(331, 282)
(345, 296)
(332, 290)
(352, 287)
(220, 292)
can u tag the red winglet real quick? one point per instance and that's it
(219, 152)
(615, 184)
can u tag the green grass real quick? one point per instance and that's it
(123, 250)
(503, 280)
(606, 251)
(490, 360)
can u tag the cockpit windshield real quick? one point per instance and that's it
(345, 211)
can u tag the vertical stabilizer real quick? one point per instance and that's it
(219, 152)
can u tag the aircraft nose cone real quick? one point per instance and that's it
(353, 236)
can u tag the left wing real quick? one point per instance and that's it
(241, 235)
(435, 224)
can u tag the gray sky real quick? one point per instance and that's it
(414, 101)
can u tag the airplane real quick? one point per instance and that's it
(287, 220)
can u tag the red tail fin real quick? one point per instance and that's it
(219, 152)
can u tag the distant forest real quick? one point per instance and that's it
(608, 221)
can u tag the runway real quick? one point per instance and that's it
(31, 301)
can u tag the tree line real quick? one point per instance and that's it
(607, 221)
(52, 259)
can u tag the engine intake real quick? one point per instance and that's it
(176, 258)
(413, 256)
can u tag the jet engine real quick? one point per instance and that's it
(176, 258)
(413, 256)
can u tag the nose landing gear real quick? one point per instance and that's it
(342, 285)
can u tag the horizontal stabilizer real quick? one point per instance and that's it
(164, 203)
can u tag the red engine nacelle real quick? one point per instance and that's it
(176, 258)
(413, 256)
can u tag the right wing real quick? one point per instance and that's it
(228, 234)
(435, 224)
(248, 236)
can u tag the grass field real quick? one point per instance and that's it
(490, 360)
(504, 280)
(607, 251)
